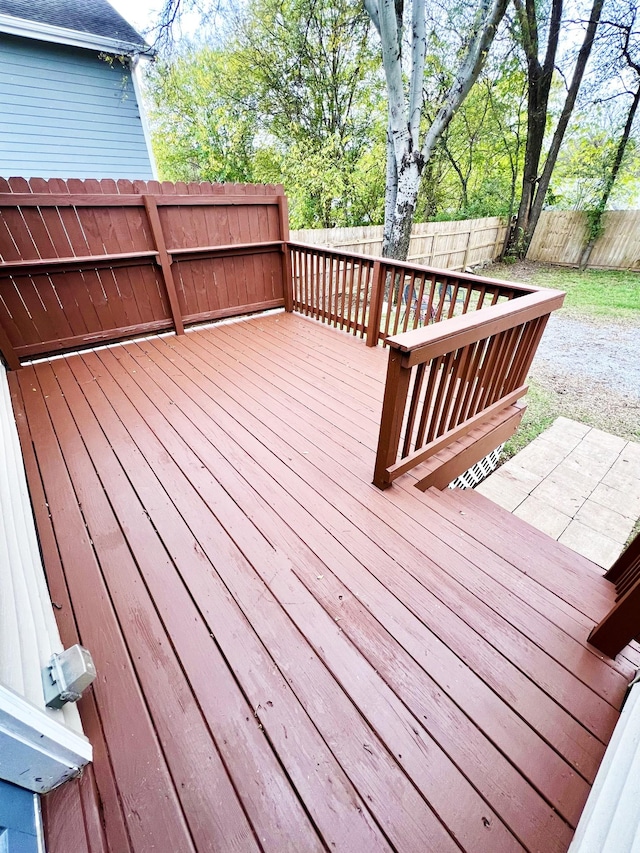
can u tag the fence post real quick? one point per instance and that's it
(467, 251)
(395, 399)
(287, 275)
(375, 305)
(151, 207)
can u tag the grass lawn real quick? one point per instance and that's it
(603, 294)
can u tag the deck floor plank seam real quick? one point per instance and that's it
(154, 503)
(95, 608)
(249, 593)
(371, 436)
(238, 463)
(365, 544)
(148, 617)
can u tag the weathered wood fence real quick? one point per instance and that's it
(449, 245)
(91, 261)
(561, 235)
(559, 239)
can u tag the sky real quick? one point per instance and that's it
(139, 13)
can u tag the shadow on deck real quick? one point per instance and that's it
(289, 658)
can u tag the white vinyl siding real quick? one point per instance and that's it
(69, 113)
(28, 630)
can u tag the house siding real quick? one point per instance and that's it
(28, 630)
(66, 112)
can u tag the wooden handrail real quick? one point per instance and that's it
(517, 287)
(429, 341)
(458, 375)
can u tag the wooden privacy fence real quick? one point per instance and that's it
(561, 235)
(622, 623)
(453, 245)
(453, 386)
(91, 261)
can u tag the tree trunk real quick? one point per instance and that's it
(596, 220)
(390, 190)
(398, 233)
(536, 192)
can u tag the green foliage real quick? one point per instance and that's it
(292, 93)
(543, 407)
(480, 156)
(595, 293)
(291, 97)
(202, 126)
(584, 165)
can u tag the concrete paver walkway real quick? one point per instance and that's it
(578, 484)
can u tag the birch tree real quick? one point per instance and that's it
(409, 150)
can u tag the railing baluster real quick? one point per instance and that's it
(413, 409)
(469, 368)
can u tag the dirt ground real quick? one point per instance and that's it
(591, 365)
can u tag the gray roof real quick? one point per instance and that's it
(97, 17)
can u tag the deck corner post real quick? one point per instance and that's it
(375, 306)
(7, 351)
(396, 390)
(287, 275)
(151, 207)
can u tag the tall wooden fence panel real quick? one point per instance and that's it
(561, 235)
(447, 245)
(83, 262)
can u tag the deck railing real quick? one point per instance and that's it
(378, 298)
(622, 622)
(457, 382)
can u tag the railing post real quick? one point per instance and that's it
(631, 555)
(7, 351)
(151, 207)
(287, 275)
(395, 399)
(375, 305)
(620, 625)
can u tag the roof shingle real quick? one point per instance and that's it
(97, 17)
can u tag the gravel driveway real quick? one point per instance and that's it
(605, 353)
(593, 369)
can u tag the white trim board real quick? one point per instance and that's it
(36, 752)
(610, 822)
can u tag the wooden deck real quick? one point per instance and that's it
(288, 658)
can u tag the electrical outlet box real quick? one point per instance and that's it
(67, 676)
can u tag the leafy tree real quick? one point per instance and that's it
(312, 67)
(203, 127)
(291, 95)
(409, 149)
(540, 77)
(626, 28)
